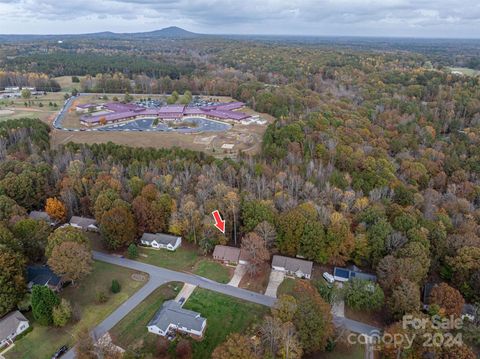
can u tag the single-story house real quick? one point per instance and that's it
(42, 216)
(11, 326)
(344, 274)
(229, 255)
(172, 317)
(161, 240)
(43, 275)
(83, 223)
(293, 266)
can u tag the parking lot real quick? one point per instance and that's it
(146, 124)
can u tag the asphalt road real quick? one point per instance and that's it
(159, 276)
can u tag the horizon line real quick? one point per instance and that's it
(246, 34)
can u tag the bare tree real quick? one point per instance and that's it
(256, 251)
(267, 232)
(271, 333)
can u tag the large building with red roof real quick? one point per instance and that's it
(119, 112)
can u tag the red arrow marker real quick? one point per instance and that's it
(219, 222)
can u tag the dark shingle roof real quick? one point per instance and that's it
(42, 275)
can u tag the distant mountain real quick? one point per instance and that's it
(172, 32)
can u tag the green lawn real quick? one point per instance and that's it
(182, 259)
(42, 342)
(224, 315)
(131, 332)
(214, 271)
(286, 287)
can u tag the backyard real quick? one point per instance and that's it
(42, 342)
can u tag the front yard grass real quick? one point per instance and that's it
(286, 287)
(224, 315)
(183, 259)
(42, 342)
(131, 332)
(213, 270)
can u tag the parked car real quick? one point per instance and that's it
(328, 277)
(60, 352)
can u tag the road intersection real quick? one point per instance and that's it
(159, 276)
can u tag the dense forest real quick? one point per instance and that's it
(373, 159)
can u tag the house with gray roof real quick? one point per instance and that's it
(42, 216)
(11, 326)
(172, 317)
(293, 266)
(161, 241)
(83, 223)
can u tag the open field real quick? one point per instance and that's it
(42, 342)
(131, 332)
(66, 83)
(247, 138)
(465, 71)
(11, 109)
(224, 315)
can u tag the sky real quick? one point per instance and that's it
(398, 18)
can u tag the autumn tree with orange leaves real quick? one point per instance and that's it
(56, 210)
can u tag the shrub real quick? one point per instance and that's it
(62, 313)
(101, 297)
(115, 287)
(43, 302)
(132, 251)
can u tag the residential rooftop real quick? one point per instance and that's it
(172, 313)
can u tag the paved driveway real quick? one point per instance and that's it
(185, 293)
(276, 278)
(240, 271)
